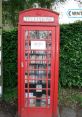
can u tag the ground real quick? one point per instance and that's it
(8, 109)
(70, 104)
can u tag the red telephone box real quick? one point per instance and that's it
(38, 63)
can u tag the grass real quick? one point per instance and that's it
(70, 97)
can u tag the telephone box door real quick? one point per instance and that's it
(37, 71)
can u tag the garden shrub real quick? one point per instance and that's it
(71, 55)
(9, 59)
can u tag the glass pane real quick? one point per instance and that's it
(26, 75)
(34, 81)
(38, 92)
(38, 66)
(37, 102)
(26, 93)
(32, 102)
(39, 84)
(39, 34)
(48, 93)
(49, 55)
(41, 102)
(38, 74)
(37, 99)
(26, 83)
(49, 45)
(26, 102)
(49, 82)
(49, 98)
(49, 101)
(26, 35)
(26, 55)
(26, 45)
(38, 55)
(49, 74)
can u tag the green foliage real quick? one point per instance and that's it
(70, 57)
(11, 8)
(10, 95)
(9, 59)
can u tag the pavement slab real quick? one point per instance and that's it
(67, 112)
(79, 113)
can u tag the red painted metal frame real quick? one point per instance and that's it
(55, 70)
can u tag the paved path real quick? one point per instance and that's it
(4, 114)
(79, 113)
(68, 112)
(65, 112)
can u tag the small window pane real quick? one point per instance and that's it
(26, 35)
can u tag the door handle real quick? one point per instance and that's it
(22, 64)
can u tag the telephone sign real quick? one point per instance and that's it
(38, 63)
(38, 19)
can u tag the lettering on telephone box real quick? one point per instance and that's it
(38, 19)
(38, 63)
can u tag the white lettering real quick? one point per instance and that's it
(38, 19)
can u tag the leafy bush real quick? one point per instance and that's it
(9, 59)
(70, 56)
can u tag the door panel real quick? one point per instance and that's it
(38, 77)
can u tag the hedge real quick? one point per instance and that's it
(9, 59)
(70, 56)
